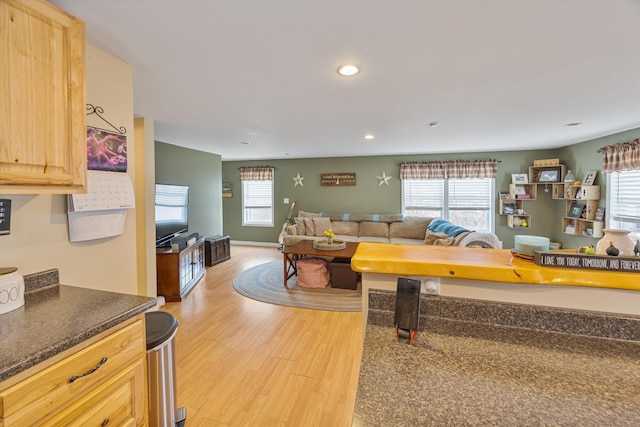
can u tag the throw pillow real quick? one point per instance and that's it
(345, 228)
(300, 226)
(374, 229)
(320, 225)
(303, 214)
(411, 228)
(309, 229)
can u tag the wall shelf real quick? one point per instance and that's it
(587, 195)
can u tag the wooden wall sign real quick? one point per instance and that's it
(625, 264)
(338, 179)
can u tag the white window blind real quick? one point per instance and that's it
(257, 203)
(465, 202)
(623, 201)
(423, 197)
(469, 194)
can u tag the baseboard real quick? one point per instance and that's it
(245, 243)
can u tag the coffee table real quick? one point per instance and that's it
(292, 254)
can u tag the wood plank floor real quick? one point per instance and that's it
(245, 363)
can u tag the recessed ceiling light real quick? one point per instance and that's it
(573, 124)
(368, 136)
(245, 143)
(433, 124)
(348, 70)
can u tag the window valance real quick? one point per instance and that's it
(256, 173)
(621, 157)
(441, 169)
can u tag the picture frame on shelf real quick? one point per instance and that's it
(519, 190)
(549, 175)
(576, 210)
(504, 195)
(509, 208)
(599, 214)
(590, 177)
(519, 178)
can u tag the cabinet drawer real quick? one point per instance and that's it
(47, 392)
(117, 403)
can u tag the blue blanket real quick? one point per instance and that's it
(440, 225)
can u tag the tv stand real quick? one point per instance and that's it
(178, 271)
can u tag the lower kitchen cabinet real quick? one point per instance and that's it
(103, 383)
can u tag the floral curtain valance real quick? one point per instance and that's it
(459, 169)
(621, 157)
(256, 173)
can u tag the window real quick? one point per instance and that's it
(623, 202)
(465, 202)
(257, 203)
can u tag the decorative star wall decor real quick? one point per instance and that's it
(383, 179)
(298, 180)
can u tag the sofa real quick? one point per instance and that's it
(385, 228)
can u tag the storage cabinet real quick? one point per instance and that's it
(99, 382)
(216, 250)
(178, 271)
(42, 99)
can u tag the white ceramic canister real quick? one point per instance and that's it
(11, 289)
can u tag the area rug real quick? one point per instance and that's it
(265, 283)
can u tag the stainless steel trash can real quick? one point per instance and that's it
(161, 328)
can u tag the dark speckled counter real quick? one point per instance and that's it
(485, 363)
(57, 317)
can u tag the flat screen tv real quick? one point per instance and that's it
(172, 212)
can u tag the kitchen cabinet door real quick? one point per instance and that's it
(42, 99)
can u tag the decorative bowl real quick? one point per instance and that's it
(326, 245)
(527, 245)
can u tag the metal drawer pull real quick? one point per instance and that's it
(89, 372)
(105, 422)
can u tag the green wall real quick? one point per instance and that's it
(201, 171)
(367, 197)
(583, 158)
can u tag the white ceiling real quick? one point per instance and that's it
(497, 75)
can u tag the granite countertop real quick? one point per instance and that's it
(493, 265)
(485, 363)
(56, 317)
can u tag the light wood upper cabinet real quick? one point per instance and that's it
(42, 99)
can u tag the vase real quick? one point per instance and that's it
(330, 240)
(569, 176)
(619, 238)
